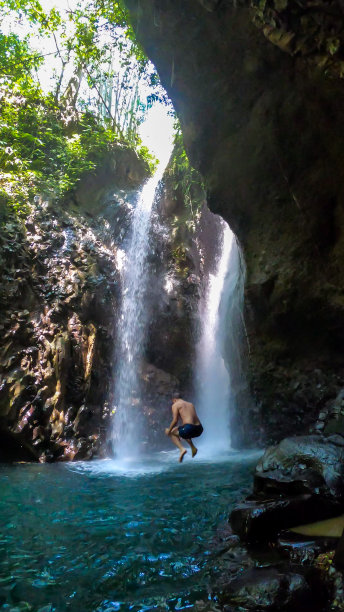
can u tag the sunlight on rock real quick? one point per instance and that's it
(329, 528)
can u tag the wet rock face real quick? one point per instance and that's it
(263, 124)
(297, 483)
(157, 390)
(184, 251)
(263, 518)
(57, 336)
(317, 32)
(174, 292)
(58, 302)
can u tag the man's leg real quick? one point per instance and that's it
(193, 447)
(174, 435)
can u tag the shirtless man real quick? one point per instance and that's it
(191, 426)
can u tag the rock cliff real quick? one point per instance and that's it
(258, 90)
(59, 297)
(59, 306)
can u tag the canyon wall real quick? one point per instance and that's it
(258, 90)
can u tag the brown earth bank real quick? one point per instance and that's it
(258, 89)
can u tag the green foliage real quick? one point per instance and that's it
(32, 9)
(49, 140)
(16, 61)
(313, 30)
(43, 153)
(187, 181)
(144, 153)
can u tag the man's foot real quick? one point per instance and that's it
(194, 451)
(181, 456)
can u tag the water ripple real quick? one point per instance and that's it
(89, 538)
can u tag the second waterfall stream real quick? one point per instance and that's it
(221, 324)
(218, 316)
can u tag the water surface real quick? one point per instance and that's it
(104, 537)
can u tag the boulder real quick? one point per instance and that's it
(256, 520)
(277, 483)
(303, 464)
(268, 589)
(301, 550)
(334, 418)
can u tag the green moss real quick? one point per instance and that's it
(316, 33)
(180, 259)
(186, 183)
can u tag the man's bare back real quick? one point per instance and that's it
(186, 411)
(191, 426)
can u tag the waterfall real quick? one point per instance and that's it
(214, 391)
(133, 318)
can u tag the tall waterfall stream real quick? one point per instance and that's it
(131, 329)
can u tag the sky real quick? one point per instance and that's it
(156, 132)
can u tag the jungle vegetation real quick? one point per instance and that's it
(63, 108)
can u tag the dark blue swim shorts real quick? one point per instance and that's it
(190, 431)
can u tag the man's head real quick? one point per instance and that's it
(175, 398)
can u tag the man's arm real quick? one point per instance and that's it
(175, 413)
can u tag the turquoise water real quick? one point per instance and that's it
(100, 537)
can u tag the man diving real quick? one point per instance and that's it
(191, 426)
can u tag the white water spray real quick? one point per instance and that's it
(133, 319)
(213, 396)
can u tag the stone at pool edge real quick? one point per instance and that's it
(300, 480)
(276, 482)
(267, 589)
(256, 520)
(311, 463)
(303, 550)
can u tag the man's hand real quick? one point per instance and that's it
(167, 431)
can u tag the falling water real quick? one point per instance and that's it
(214, 394)
(132, 320)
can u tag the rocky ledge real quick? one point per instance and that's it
(289, 531)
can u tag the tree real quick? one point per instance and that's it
(49, 139)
